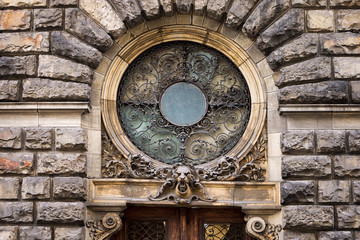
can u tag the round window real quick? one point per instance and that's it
(183, 102)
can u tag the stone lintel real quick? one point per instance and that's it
(116, 193)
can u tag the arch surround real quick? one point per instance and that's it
(183, 33)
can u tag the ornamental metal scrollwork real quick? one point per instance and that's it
(259, 229)
(105, 228)
(147, 80)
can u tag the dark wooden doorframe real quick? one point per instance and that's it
(182, 223)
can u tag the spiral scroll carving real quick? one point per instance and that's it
(259, 229)
(105, 228)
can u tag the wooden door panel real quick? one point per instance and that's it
(184, 223)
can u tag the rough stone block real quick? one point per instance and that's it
(10, 138)
(38, 138)
(216, 8)
(42, 89)
(48, 18)
(9, 188)
(167, 5)
(298, 142)
(354, 141)
(102, 12)
(334, 191)
(344, 3)
(69, 233)
(61, 163)
(9, 232)
(309, 3)
(9, 90)
(288, 26)
(308, 217)
(22, 3)
(63, 3)
(150, 7)
(69, 187)
(86, 29)
(238, 12)
(302, 47)
(347, 166)
(58, 68)
(35, 188)
(348, 216)
(330, 141)
(290, 235)
(71, 139)
(356, 191)
(316, 68)
(323, 92)
(320, 20)
(129, 11)
(35, 233)
(64, 44)
(348, 20)
(340, 43)
(18, 66)
(16, 212)
(263, 15)
(347, 67)
(16, 163)
(355, 92)
(24, 42)
(343, 235)
(306, 166)
(297, 192)
(15, 20)
(60, 212)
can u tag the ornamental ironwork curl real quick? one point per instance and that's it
(153, 72)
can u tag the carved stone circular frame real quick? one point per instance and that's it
(183, 33)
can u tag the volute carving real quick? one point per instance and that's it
(259, 229)
(105, 228)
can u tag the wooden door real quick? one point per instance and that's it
(182, 224)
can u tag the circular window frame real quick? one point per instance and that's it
(215, 40)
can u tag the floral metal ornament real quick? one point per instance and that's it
(259, 229)
(105, 228)
(182, 186)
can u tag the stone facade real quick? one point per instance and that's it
(57, 52)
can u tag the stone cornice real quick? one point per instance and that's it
(324, 108)
(6, 107)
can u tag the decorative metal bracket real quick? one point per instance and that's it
(182, 186)
(259, 229)
(105, 228)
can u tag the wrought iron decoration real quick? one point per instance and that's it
(154, 73)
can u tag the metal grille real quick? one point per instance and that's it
(146, 79)
(146, 230)
(214, 231)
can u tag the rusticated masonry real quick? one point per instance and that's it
(57, 51)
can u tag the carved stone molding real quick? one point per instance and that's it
(105, 228)
(259, 229)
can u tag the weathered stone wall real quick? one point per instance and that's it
(50, 49)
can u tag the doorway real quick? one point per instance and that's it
(153, 223)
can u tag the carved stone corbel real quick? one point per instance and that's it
(105, 228)
(257, 227)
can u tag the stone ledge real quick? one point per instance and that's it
(308, 108)
(17, 107)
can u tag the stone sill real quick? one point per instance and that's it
(18, 107)
(320, 108)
